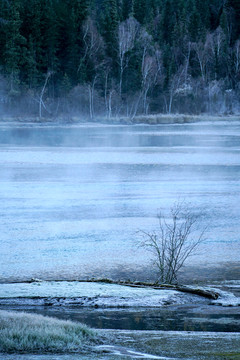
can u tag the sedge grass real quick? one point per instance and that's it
(22, 332)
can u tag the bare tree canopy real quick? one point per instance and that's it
(178, 237)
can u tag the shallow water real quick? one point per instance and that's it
(171, 318)
(73, 197)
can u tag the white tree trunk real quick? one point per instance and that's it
(41, 103)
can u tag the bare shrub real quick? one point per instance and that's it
(177, 238)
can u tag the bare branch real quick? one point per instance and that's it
(173, 243)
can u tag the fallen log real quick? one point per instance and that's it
(209, 294)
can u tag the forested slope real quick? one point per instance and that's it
(119, 57)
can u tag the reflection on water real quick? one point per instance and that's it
(72, 198)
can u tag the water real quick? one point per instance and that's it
(73, 197)
(172, 318)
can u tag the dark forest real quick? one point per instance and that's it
(113, 58)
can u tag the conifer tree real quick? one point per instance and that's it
(195, 25)
(14, 44)
(77, 42)
(235, 5)
(31, 30)
(49, 35)
(4, 14)
(168, 19)
(127, 9)
(140, 10)
(109, 25)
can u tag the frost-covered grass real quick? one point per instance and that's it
(176, 345)
(21, 332)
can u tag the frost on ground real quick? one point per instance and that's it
(121, 351)
(226, 299)
(182, 345)
(91, 294)
(21, 332)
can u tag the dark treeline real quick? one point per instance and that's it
(119, 57)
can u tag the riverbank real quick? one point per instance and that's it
(125, 345)
(107, 294)
(156, 119)
(180, 345)
(131, 322)
(100, 294)
(215, 343)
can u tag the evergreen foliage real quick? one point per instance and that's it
(179, 49)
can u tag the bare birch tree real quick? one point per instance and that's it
(91, 89)
(93, 43)
(173, 243)
(175, 84)
(41, 102)
(151, 71)
(93, 51)
(202, 57)
(237, 57)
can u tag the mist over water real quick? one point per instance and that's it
(73, 197)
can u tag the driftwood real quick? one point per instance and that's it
(209, 294)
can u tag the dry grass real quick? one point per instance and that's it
(22, 332)
(158, 119)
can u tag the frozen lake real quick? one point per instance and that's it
(73, 197)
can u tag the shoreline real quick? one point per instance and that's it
(164, 324)
(194, 275)
(103, 293)
(148, 344)
(156, 119)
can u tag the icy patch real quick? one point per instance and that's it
(120, 351)
(226, 299)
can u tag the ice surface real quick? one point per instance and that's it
(92, 156)
(73, 198)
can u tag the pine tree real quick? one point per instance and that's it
(140, 10)
(49, 33)
(109, 26)
(168, 19)
(224, 23)
(13, 51)
(4, 13)
(235, 5)
(71, 15)
(127, 9)
(31, 71)
(195, 27)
